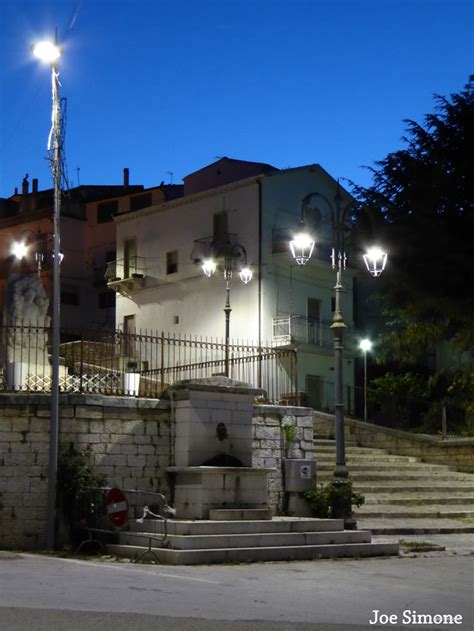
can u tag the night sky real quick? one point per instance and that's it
(164, 87)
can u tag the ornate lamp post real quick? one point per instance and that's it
(49, 52)
(20, 249)
(365, 345)
(232, 255)
(375, 260)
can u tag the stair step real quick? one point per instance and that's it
(387, 466)
(426, 526)
(360, 458)
(241, 514)
(388, 487)
(329, 449)
(418, 499)
(275, 525)
(249, 555)
(401, 476)
(257, 540)
(412, 512)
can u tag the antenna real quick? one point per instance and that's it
(78, 169)
(170, 173)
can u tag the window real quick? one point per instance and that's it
(219, 226)
(70, 296)
(129, 257)
(172, 262)
(106, 211)
(107, 300)
(140, 201)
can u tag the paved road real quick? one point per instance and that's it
(40, 593)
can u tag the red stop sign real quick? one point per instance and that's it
(117, 507)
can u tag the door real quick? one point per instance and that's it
(313, 312)
(129, 257)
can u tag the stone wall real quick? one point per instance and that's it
(132, 441)
(269, 444)
(456, 452)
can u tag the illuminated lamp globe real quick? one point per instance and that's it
(47, 51)
(208, 267)
(365, 345)
(246, 275)
(302, 248)
(19, 250)
(375, 260)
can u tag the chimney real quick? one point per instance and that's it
(24, 201)
(35, 185)
(16, 190)
(126, 177)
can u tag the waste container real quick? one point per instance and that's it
(300, 475)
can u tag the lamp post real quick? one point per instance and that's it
(375, 260)
(49, 52)
(365, 345)
(231, 254)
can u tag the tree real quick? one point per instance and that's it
(420, 205)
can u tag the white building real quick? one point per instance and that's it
(161, 287)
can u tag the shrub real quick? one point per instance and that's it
(334, 500)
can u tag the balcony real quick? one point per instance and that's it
(126, 275)
(298, 329)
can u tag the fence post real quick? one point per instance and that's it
(81, 373)
(162, 374)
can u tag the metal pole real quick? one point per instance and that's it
(227, 311)
(365, 386)
(54, 428)
(337, 327)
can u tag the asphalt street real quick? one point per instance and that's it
(54, 594)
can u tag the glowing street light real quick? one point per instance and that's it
(302, 247)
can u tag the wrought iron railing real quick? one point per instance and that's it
(137, 364)
(123, 269)
(296, 329)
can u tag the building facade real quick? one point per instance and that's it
(249, 211)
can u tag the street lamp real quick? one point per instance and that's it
(365, 345)
(20, 249)
(49, 53)
(232, 255)
(377, 259)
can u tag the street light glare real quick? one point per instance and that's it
(208, 267)
(47, 51)
(302, 248)
(19, 250)
(365, 345)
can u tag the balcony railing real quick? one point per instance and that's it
(128, 272)
(298, 329)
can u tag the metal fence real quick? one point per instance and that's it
(140, 363)
(391, 410)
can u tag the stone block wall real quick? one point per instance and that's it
(455, 452)
(130, 439)
(269, 448)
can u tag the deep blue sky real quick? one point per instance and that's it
(170, 85)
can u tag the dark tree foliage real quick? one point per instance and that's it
(420, 207)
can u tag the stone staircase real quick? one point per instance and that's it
(402, 494)
(246, 541)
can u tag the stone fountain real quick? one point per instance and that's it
(213, 474)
